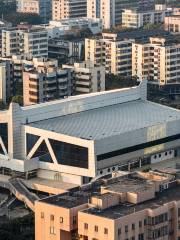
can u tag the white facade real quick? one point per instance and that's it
(61, 27)
(158, 60)
(136, 19)
(88, 135)
(29, 42)
(3, 84)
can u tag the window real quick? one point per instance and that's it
(140, 224)
(105, 231)
(96, 228)
(119, 231)
(133, 226)
(126, 228)
(52, 217)
(61, 219)
(141, 236)
(70, 154)
(145, 222)
(85, 226)
(74, 220)
(52, 230)
(42, 215)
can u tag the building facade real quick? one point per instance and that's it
(172, 24)
(114, 54)
(158, 60)
(133, 206)
(44, 81)
(139, 18)
(41, 7)
(85, 136)
(68, 9)
(110, 11)
(27, 41)
(87, 78)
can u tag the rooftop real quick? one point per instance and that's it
(171, 194)
(110, 120)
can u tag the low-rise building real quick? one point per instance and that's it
(135, 206)
(64, 26)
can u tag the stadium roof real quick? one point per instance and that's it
(110, 120)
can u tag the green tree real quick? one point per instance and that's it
(18, 99)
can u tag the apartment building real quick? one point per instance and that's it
(135, 18)
(3, 95)
(66, 50)
(25, 40)
(44, 81)
(41, 7)
(114, 50)
(68, 9)
(110, 11)
(67, 26)
(129, 206)
(172, 24)
(87, 77)
(158, 60)
(115, 55)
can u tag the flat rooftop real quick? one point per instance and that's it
(171, 194)
(128, 184)
(110, 120)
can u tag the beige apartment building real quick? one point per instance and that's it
(87, 78)
(110, 11)
(112, 52)
(26, 40)
(172, 24)
(41, 7)
(68, 9)
(44, 81)
(158, 60)
(127, 206)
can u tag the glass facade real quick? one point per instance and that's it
(70, 154)
(66, 153)
(4, 136)
(42, 152)
(30, 142)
